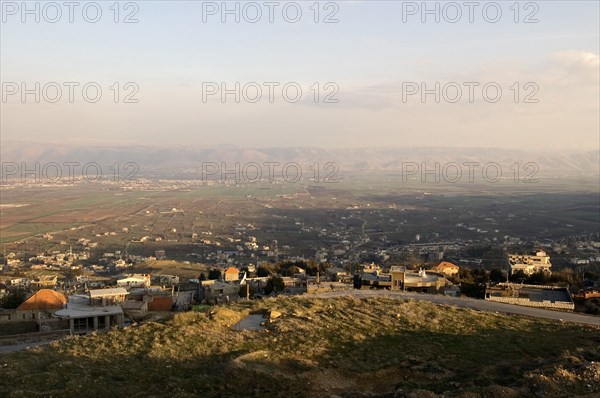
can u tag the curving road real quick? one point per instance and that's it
(465, 302)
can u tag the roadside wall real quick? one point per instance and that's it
(560, 305)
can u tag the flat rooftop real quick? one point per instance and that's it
(545, 294)
(78, 307)
(115, 291)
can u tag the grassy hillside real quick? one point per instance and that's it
(341, 347)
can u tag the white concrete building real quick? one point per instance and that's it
(529, 263)
(135, 280)
(99, 310)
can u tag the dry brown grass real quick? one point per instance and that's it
(344, 347)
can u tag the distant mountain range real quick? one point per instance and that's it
(153, 159)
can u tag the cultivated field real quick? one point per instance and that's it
(375, 206)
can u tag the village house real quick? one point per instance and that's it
(217, 292)
(135, 309)
(337, 274)
(166, 280)
(41, 305)
(44, 282)
(135, 280)
(183, 300)
(19, 283)
(420, 281)
(290, 282)
(157, 298)
(36, 314)
(401, 279)
(96, 284)
(293, 285)
(98, 310)
(104, 297)
(446, 268)
(529, 263)
(231, 274)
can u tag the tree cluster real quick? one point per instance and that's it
(13, 299)
(274, 284)
(289, 268)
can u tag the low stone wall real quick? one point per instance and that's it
(327, 287)
(521, 285)
(560, 305)
(18, 327)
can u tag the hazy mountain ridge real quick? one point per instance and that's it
(153, 158)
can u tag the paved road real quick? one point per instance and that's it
(471, 303)
(7, 349)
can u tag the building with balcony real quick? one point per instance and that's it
(529, 263)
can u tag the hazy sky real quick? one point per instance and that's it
(374, 57)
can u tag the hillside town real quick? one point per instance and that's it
(61, 293)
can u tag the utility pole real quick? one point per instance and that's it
(247, 291)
